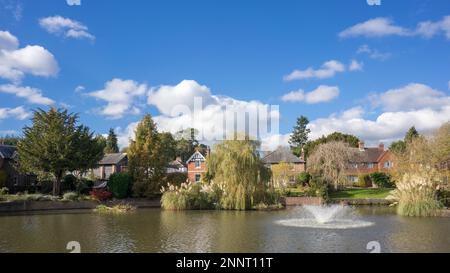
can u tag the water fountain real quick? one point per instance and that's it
(326, 217)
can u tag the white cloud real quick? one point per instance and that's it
(17, 113)
(323, 93)
(328, 70)
(386, 127)
(373, 53)
(79, 89)
(65, 26)
(32, 95)
(73, 2)
(8, 41)
(377, 27)
(15, 62)
(166, 97)
(120, 95)
(191, 105)
(356, 66)
(380, 27)
(413, 96)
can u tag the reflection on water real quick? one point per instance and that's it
(153, 230)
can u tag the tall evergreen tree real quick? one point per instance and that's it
(55, 144)
(299, 136)
(147, 159)
(411, 134)
(111, 143)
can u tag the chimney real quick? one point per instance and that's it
(381, 147)
(208, 150)
(361, 145)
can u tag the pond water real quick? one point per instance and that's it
(155, 230)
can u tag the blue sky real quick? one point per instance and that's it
(372, 71)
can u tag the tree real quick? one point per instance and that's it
(411, 134)
(351, 140)
(111, 143)
(330, 161)
(147, 159)
(55, 144)
(397, 147)
(299, 136)
(169, 145)
(236, 168)
(187, 143)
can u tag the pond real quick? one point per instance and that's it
(155, 230)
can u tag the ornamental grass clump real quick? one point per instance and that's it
(190, 196)
(416, 195)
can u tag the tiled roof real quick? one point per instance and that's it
(111, 159)
(6, 151)
(282, 155)
(368, 155)
(176, 164)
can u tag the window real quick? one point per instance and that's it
(198, 177)
(370, 165)
(197, 164)
(388, 164)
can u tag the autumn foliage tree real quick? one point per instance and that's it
(147, 158)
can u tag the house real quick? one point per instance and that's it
(110, 164)
(196, 166)
(285, 155)
(9, 176)
(176, 166)
(369, 160)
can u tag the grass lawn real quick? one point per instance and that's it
(361, 193)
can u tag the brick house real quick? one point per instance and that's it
(285, 155)
(196, 166)
(369, 160)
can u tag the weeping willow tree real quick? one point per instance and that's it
(236, 168)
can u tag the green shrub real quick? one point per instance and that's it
(70, 196)
(119, 184)
(317, 188)
(69, 183)
(444, 197)
(303, 178)
(117, 209)
(382, 180)
(45, 186)
(3, 178)
(84, 186)
(175, 178)
(364, 181)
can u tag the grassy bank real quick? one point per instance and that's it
(360, 194)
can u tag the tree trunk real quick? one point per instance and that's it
(57, 184)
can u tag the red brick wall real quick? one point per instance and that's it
(192, 170)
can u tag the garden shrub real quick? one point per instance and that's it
(45, 186)
(364, 181)
(175, 178)
(68, 183)
(70, 196)
(3, 178)
(303, 178)
(382, 180)
(119, 184)
(100, 195)
(84, 185)
(317, 188)
(444, 197)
